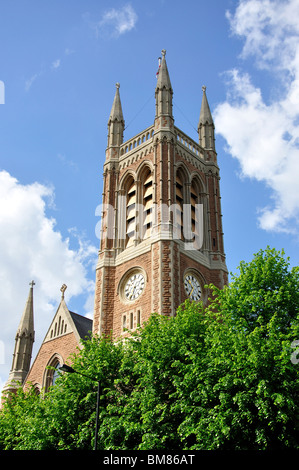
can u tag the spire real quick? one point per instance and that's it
(26, 324)
(163, 75)
(116, 110)
(116, 123)
(206, 124)
(164, 92)
(23, 346)
(205, 116)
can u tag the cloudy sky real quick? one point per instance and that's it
(60, 61)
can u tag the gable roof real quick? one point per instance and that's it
(65, 322)
(83, 325)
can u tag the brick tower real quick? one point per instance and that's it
(161, 228)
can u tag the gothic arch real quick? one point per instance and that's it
(123, 181)
(199, 220)
(182, 170)
(50, 374)
(130, 193)
(144, 166)
(145, 199)
(196, 180)
(181, 181)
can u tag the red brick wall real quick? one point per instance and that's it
(64, 346)
(163, 264)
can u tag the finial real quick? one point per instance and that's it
(62, 290)
(204, 88)
(31, 284)
(117, 85)
(163, 52)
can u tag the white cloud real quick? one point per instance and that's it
(31, 247)
(56, 64)
(117, 22)
(31, 80)
(264, 137)
(269, 29)
(69, 51)
(67, 162)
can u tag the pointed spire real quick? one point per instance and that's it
(205, 116)
(23, 346)
(116, 122)
(206, 126)
(27, 323)
(116, 110)
(163, 75)
(163, 95)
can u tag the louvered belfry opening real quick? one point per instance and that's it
(147, 188)
(179, 199)
(193, 202)
(131, 213)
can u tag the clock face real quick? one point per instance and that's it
(134, 286)
(192, 287)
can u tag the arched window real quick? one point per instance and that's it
(124, 322)
(147, 201)
(52, 372)
(194, 199)
(196, 214)
(138, 320)
(131, 212)
(179, 200)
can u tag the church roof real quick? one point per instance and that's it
(65, 322)
(83, 324)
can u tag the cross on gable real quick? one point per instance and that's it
(63, 289)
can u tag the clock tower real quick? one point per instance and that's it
(161, 238)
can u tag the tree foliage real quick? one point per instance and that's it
(218, 377)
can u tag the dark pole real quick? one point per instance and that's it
(97, 418)
(66, 368)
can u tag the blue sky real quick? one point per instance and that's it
(60, 61)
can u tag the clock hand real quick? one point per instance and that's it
(134, 292)
(130, 291)
(191, 286)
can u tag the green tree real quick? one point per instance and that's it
(64, 417)
(247, 395)
(218, 377)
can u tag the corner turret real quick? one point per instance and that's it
(23, 347)
(116, 123)
(206, 128)
(163, 96)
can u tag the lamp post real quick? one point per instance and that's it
(66, 368)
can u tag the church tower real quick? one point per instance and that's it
(23, 347)
(161, 223)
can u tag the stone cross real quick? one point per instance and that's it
(31, 284)
(62, 290)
